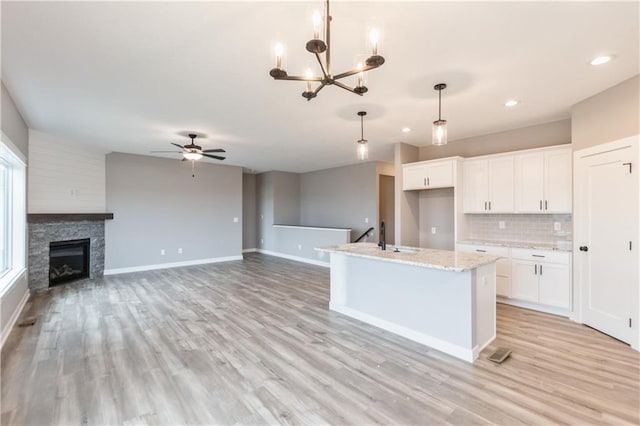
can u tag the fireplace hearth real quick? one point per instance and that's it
(68, 261)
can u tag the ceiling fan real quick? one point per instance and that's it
(194, 152)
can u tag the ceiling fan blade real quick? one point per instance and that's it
(179, 146)
(214, 150)
(155, 152)
(214, 156)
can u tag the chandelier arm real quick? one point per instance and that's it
(354, 71)
(324, 72)
(328, 37)
(345, 87)
(298, 78)
(319, 88)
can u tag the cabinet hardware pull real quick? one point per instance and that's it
(630, 166)
(537, 255)
(545, 204)
(428, 182)
(485, 205)
(540, 269)
(489, 205)
(481, 251)
(540, 204)
(425, 182)
(535, 269)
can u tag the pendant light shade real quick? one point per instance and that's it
(363, 144)
(439, 131)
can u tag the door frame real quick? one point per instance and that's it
(579, 217)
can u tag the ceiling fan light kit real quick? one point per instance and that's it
(193, 152)
(439, 130)
(318, 47)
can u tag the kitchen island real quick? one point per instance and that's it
(442, 299)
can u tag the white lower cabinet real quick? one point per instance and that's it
(539, 278)
(542, 276)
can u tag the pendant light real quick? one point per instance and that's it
(363, 144)
(439, 133)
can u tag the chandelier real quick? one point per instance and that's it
(317, 46)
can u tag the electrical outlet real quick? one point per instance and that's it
(501, 224)
(557, 226)
(261, 241)
(366, 220)
(433, 229)
(235, 220)
(261, 217)
(161, 252)
(180, 250)
(299, 246)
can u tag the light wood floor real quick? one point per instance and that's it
(253, 342)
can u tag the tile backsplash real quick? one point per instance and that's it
(520, 227)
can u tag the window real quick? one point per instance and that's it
(12, 213)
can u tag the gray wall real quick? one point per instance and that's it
(286, 198)
(248, 211)
(608, 116)
(341, 197)
(158, 205)
(407, 202)
(437, 210)
(13, 125)
(547, 134)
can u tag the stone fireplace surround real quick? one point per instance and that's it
(46, 228)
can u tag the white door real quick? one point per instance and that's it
(440, 175)
(476, 186)
(414, 177)
(555, 285)
(530, 183)
(557, 181)
(501, 185)
(607, 234)
(524, 280)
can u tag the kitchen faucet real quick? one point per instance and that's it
(383, 241)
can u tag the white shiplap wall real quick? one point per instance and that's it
(64, 176)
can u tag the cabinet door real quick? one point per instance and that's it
(503, 286)
(440, 175)
(501, 185)
(530, 183)
(414, 177)
(555, 285)
(476, 186)
(557, 181)
(524, 280)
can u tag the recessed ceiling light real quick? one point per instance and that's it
(511, 103)
(600, 60)
(406, 130)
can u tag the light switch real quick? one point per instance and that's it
(433, 229)
(366, 220)
(235, 220)
(161, 252)
(180, 250)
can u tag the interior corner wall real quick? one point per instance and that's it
(248, 211)
(14, 296)
(341, 197)
(538, 136)
(65, 177)
(407, 205)
(607, 116)
(13, 124)
(157, 205)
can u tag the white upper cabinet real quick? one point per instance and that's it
(543, 181)
(488, 185)
(428, 175)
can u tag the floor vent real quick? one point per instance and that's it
(27, 322)
(500, 355)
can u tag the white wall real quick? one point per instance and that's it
(65, 177)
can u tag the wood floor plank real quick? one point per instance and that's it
(253, 342)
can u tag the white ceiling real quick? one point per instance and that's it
(134, 76)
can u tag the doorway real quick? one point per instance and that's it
(606, 252)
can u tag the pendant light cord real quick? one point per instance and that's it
(439, 104)
(362, 127)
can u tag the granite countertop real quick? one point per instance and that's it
(522, 244)
(427, 258)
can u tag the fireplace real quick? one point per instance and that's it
(68, 261)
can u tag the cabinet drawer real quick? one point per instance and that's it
(551, 256)
(503, 266)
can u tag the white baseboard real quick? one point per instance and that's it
(14, 318)
(296, 258)
(250, 250)
(170, 265)
(452, 349)
(534, 306)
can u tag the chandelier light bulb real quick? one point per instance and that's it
(439, 134)
(360, 74)
(374, 37)
(363, 150)
(316, 20)
(279, 51)
(309, 75)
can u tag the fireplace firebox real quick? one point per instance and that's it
(68, 261)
